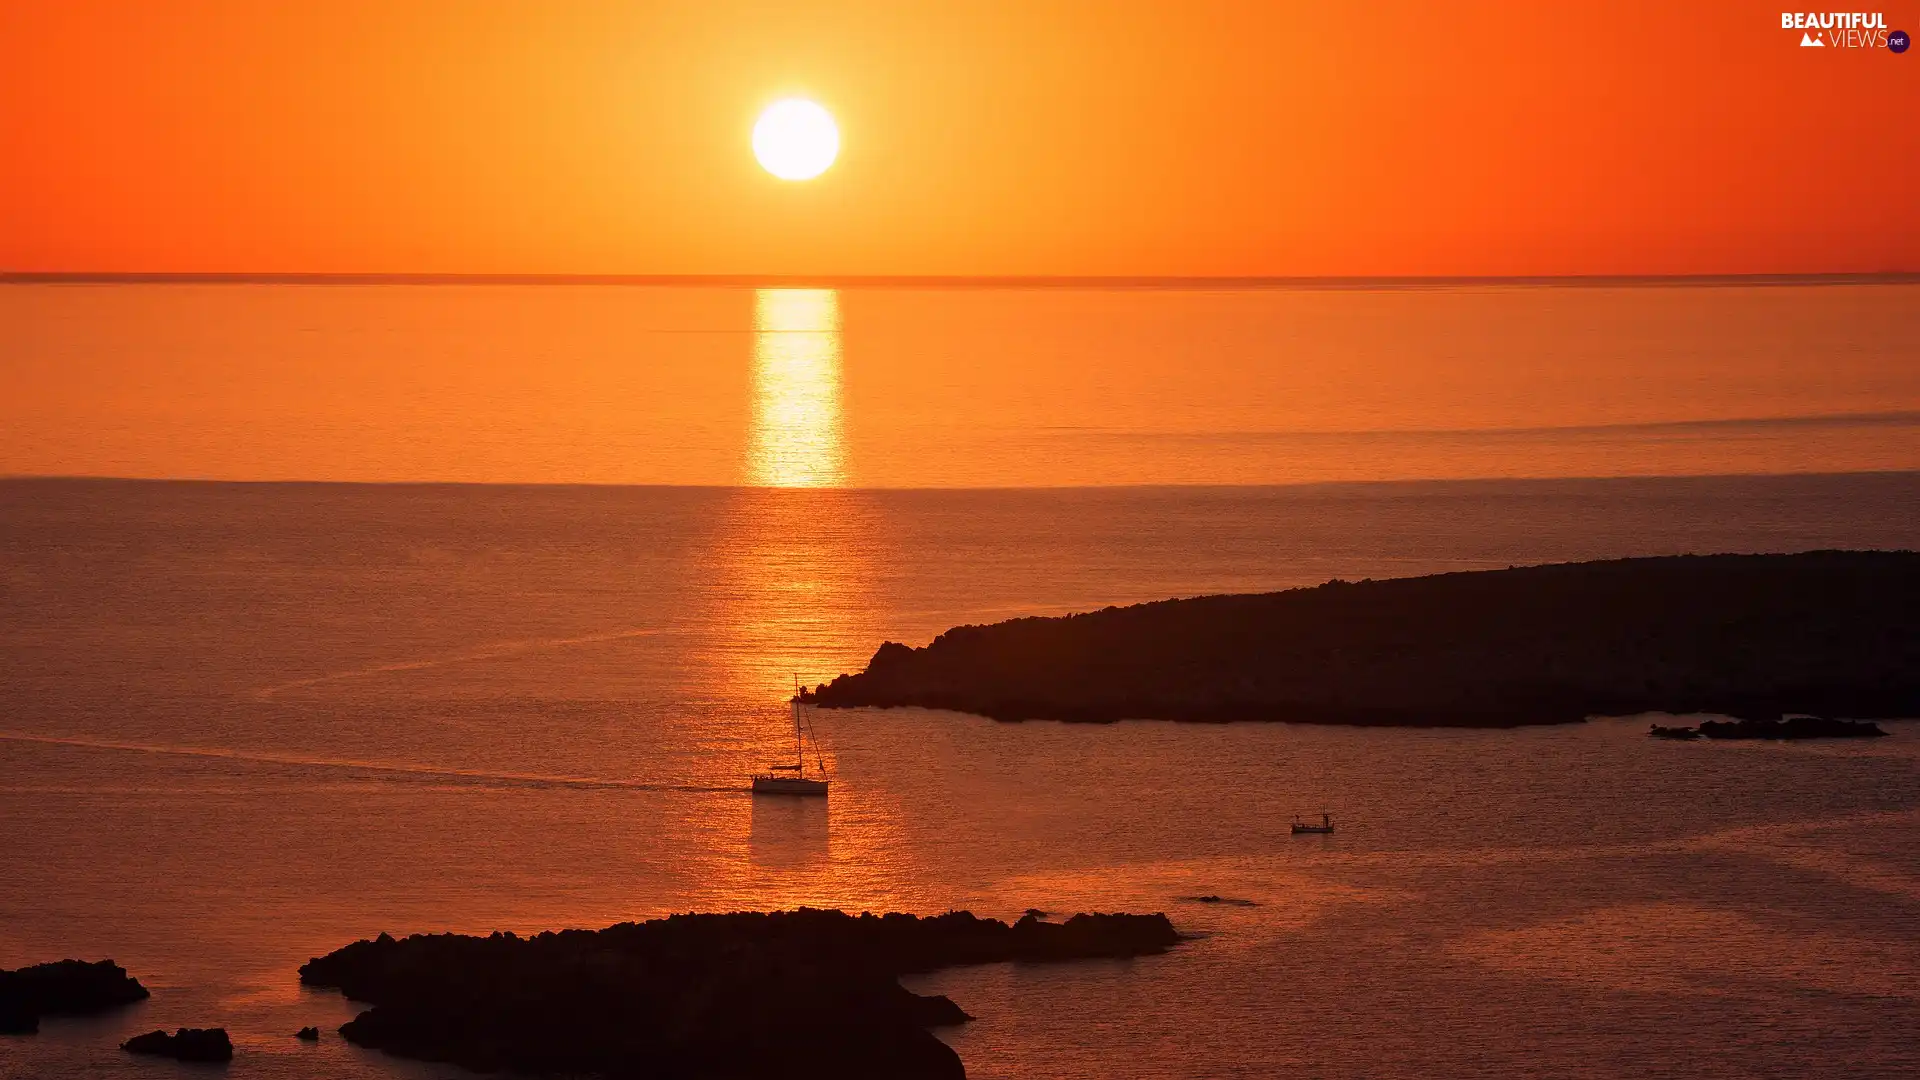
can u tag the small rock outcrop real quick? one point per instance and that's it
(63, 988)
(699, 996)
(185, 1044)
(1790, 727)
(308, 1034)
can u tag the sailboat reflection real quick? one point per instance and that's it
(796, 438)
(788, 834)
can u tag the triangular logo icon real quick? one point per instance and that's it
(1808, 41)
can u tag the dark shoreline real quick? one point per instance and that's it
(1788, 728)
(1021, 713)
(1833, 633)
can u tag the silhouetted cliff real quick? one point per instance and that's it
(63, 988)
(1830, 632)
(812, 994)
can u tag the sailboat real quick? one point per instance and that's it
(784, 779)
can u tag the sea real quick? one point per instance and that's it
(334, 610)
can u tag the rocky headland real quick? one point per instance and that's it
(1829, 632)
(805, 993)
(63, 988)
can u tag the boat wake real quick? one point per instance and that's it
(485, 652)
(408, 770)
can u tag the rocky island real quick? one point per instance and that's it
(185, 1044)
(63, 988)
(804, 993)
(1829, 632)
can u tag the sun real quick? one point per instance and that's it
(795, 139)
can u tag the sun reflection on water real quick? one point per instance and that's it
(794, 590)
(797, 587)
(795, 440)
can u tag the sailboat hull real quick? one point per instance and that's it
(788, 785)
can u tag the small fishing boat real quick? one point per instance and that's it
(1325, 826)
(785, 779)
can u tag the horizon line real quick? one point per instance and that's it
(950, 281)
(603, 485)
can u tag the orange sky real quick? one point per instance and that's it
(979, 138)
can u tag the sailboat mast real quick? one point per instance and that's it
(799, 748)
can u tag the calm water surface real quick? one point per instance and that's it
(954, 388)
(245, 724)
